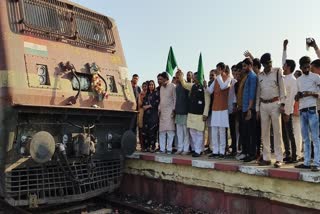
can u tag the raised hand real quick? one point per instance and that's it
(179, 73)
(285, 44)
(248, 54)
(313, 43)
(205, 84)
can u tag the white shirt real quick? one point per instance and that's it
(290, 84)
(309, 83)
(223, 85)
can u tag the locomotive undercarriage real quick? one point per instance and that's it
(87, 158)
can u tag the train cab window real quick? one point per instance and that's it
(94, 29)
(85, 82)
(62, 21)
(43, 74)
(49, 17)
(111, 84)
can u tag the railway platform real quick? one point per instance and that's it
(221, 186)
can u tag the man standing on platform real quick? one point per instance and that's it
(136, 91)
(308, 93)
(166, 113)
(181, 112)
(249, 111)
(269, 105)
(198, 108)
(290, 83)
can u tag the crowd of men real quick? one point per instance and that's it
(265, 110)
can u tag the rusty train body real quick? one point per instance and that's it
(66, 104)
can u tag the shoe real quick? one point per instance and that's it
(293, 160)
(264, 163)
(315, 168)
(169, 152)
(160, 152)
(195, 155)
(287, 159)
(300, 159)
(277, 164)
(221, 157)
(244, 157)
(302, 166)
(239, 157)
(248, 159)
(231, 154)
(207, 151)
(178, 153)
(213, 155)
(184, 153)
(259, 157)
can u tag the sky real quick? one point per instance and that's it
(220, 30)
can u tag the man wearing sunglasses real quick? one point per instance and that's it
(269, 105)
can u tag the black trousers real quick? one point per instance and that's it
(288, 138)
(241, 132)
(258, 137)
(249, 134)
(233, 132)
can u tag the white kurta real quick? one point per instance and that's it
(166, 107)
(220, 119)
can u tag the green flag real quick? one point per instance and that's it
(171, 62)
(200, 76)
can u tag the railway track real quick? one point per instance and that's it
(98, 205)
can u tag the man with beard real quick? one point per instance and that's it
(190, 77)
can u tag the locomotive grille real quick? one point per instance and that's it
(51, 184)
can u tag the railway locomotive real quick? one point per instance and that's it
(67, 107)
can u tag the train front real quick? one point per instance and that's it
(66, 105)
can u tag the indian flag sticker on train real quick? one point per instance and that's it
(35, 49)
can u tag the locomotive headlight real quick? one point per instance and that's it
(42, 70)
(42, 74)
(42, 80)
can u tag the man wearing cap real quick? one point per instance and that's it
(269, 105)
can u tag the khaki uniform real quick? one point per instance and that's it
(270, 93)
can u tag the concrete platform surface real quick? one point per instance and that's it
(287, 171)
(146, 174)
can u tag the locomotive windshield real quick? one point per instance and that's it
(58, 20)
